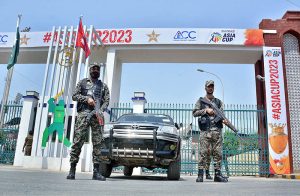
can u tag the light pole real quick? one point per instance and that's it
(260, 78)
(201, 70)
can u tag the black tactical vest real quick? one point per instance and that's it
(205, 122)
(96, 93)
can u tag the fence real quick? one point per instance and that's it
(246, 156)
(9, 131)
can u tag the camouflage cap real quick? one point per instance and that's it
(209, 82)
(94, 64)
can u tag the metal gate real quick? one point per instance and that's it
(248, 156)
(9, 131)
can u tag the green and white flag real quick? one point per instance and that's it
(15, 51)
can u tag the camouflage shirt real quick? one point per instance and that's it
(200, 111)
(80, 94)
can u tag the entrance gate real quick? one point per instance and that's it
(9, 132)
(240, 157)
(147, 45)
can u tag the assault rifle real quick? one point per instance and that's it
(219, 114)
(97, 96)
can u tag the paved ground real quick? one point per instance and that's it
(18, 181)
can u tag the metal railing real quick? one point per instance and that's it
(9, 131)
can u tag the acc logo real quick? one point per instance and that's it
(268, 53)
(215, 37)
(185, 36)
(3, 39)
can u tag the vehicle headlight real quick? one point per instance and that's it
(169, 129)
(107, 128)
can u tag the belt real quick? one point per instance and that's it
(212, 129)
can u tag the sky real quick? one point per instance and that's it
(162, 83)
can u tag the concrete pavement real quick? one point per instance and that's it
(18, 181)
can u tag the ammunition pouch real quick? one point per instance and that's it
(204, 123)
(96, 96)
(83, 107)
(217, 122)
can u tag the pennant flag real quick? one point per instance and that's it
(15, 51)
(81, 40)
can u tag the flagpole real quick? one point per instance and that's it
(7, 85)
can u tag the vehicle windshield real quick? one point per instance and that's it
(146, 119)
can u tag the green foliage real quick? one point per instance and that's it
(230, 141)
(251, 142)
(233, 145)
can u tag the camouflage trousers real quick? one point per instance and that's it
(27, 150)
(81, 133)
(210, 144)
(208, 161)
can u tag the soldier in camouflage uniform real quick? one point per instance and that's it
(28, 144)
(85, 94)
(210, 134)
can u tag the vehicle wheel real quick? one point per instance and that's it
(174, 170)
(127, 171)
(105, 169)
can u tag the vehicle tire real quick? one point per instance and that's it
(174, 169)
(105, 169)
(127, 171)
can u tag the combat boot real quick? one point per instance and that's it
(219, 177)
(96, 173)
(72, 171)
(208, 176)
(200, 176)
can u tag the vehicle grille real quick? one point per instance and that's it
(132, 153)
(135, 141)
(133, 131)
(142, 127)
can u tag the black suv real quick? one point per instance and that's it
(141, 140)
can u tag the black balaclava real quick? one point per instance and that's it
(94, 72)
